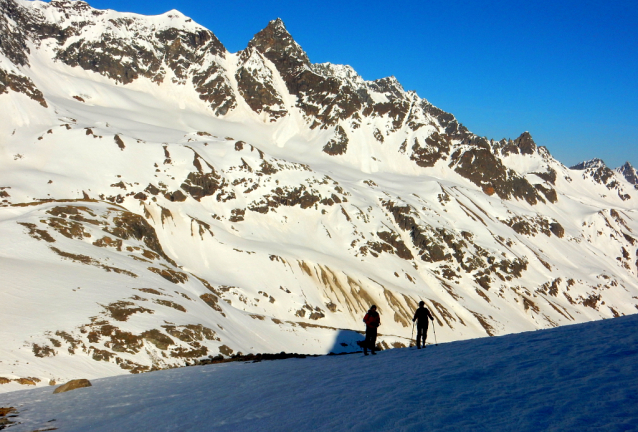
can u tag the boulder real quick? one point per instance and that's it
(72, 385)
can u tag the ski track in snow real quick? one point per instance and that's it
(578, 377)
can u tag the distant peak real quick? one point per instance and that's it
(174, 12)
(277, 29)
(278, 23)
(592, 163)
(277, 45)
(627, 165)
(629, 173)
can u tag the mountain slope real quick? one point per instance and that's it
(164, 200)
(580, 377)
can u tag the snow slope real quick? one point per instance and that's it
(575, 378)
(163, 200)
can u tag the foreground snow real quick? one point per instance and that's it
(579, 377)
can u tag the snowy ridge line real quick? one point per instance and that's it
(163, 201)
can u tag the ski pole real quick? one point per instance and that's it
(434, 329)
(412, 337)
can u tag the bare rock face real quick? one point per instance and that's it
(72, 385)
(255, 84)
(278, 46)
(20, 84)
(13, 45)
(629, 173)
(524, 145)
(339, 144)
(477, 162)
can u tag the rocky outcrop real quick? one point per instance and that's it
(629, 173)
(255, 84)
(13, 44)
(20, 84)
(476, 161)
(73, 385)
(523, 145)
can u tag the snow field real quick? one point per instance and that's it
(581, 377)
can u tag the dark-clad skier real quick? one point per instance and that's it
(421, 317)
(373, 321)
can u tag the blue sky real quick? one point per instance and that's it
(566, 71)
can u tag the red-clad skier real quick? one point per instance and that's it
(373, 321)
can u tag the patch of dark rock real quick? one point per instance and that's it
(170, 304)
(557, 229)
(436, 147)
(119, 142)
(84, 259)
(150, 291)
(529, 304)
(131, 225)
(337, 145)
(181, 352)
(259, 94)
(211, 300)
(592, 301)
(549, 193)
(157, 338)
(122, 310)
(178, 196)
(119, 184)
(43, 351)
(191, 332)
(100, 354)
(131, 366)
(170, 275)
(213, 87)
(479, 165)
(397, 244)
(152, 189)
(107, 241)
(20, 84)
(73, 343)
(200, 185)
(237, 215)
(36, 233)
(549, 176)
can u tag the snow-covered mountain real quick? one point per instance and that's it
(164, 200)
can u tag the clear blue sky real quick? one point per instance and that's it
(566, 71)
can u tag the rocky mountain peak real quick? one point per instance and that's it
(629, 173)
(279, 47)
(592, 163)
(525, 143)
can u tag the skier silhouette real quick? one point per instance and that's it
(373, 321)
(421, 316)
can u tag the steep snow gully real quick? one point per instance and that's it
(577, 377)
